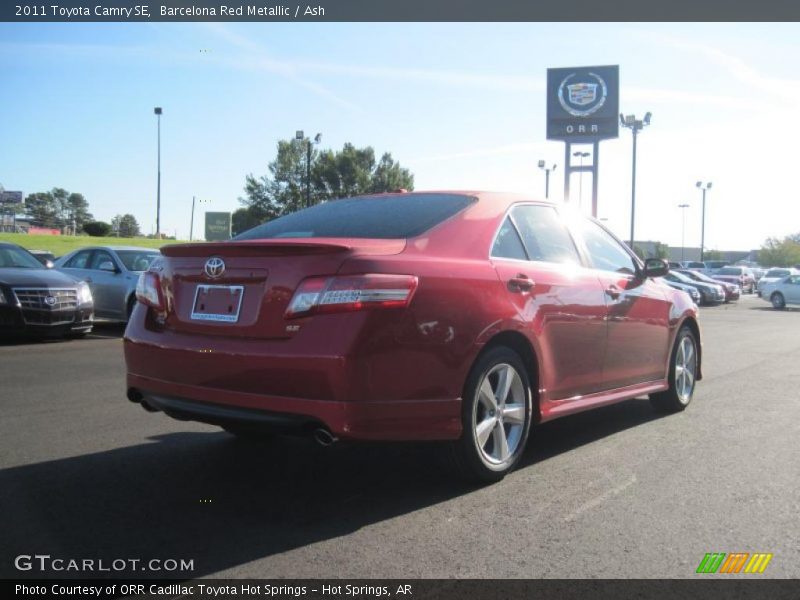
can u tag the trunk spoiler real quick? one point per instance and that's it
(281, 246)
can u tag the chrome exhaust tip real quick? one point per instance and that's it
(324, 437)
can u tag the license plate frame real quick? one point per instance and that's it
(216, 317)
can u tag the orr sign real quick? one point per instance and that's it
(583, 104)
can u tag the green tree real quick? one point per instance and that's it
(661, 251)
(126, 226)
(777, 252)
(246, 218)
(334, 174)
(713, 255)
(97, 228)
(59, 209)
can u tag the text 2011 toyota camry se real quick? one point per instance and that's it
(464, 317)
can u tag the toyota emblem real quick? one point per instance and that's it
(215, 267)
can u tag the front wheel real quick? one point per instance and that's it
(495, 416)
(778, 301)
(682, 375)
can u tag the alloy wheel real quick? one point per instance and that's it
(499, 417)
(685, 369)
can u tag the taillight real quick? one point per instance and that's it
(148, 290)
(351, 292)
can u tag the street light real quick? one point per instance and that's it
(546, 169)
(157, 111)
(580, 155)
(191, 223)
(299, 135)
(683, 208)
(704, 187)
(635, 125)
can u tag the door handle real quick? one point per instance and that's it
(520, 283)
(613, 292)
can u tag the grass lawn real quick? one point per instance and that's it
(62, 244)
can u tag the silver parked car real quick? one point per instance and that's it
(112, 273)
(773, 275)
(782, 292)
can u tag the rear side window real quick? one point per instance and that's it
(79, 260)
(507, 243)
(385, 217)
(544, 235)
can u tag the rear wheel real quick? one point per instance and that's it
(682, 375)
(778, 301)
(495, 416)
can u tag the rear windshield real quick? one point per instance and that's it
(391, 216)
(697, 265)
(730, 271)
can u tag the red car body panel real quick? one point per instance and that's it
(397, 373)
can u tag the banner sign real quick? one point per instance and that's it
(218, 226)
(10, 197)
(583, 104)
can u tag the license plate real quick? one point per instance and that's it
(217, 303)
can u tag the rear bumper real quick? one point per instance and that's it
(372, 420)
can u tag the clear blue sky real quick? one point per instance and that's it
(461, 105)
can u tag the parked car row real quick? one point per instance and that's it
(42, 298)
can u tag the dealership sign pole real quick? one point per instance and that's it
(582, 109)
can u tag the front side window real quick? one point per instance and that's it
(544, 234)
(606, 253)
(101, 257)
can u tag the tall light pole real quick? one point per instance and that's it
(580, 155)
(704, 187)
(635, 125)
(546, 169)
(299, 135)
(683, 208)
(157, 111)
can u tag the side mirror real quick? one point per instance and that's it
(49, 264)
(655, 267)
(108, 266)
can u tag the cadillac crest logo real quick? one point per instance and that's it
(50, 300)
(582, 97)
(215, 267)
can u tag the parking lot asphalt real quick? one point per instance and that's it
(617, 492)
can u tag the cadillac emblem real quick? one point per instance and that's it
(582, 96)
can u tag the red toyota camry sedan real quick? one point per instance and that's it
(465, 317)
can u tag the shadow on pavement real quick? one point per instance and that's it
(101, 331)
(223, 502)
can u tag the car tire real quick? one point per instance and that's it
(496, 413)
(683, 367)
(778, 301)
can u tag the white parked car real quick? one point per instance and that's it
(782, 292)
